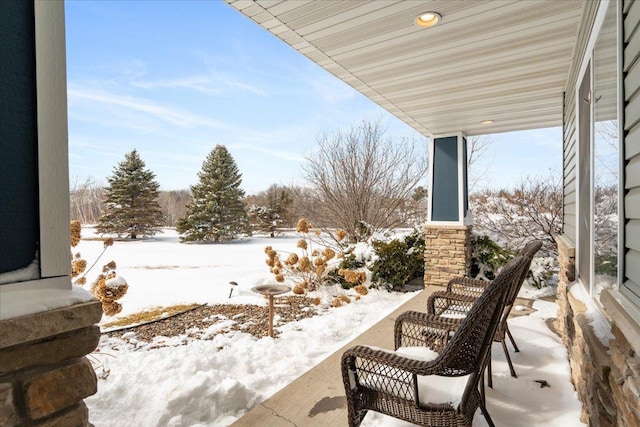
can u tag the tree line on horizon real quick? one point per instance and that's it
(358, 181)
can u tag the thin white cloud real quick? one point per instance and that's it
(232, 83)
(205, 84)
(202, 84)
(282, 154)
(330, 89)
(167, 114)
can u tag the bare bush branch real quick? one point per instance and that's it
(363, 180)
(86, 201)
(477, 147)
(531, 210)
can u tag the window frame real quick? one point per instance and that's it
(587, 65)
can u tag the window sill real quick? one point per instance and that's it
(624, 315)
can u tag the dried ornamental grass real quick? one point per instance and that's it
(111, 308)
(310, 268)
(361, 289)
(76, 233)
(336, 302)
(303, 226)
(107, 287)
(78, 266)
(345, 298)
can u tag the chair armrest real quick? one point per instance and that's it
(413, 328)
(467, 286)
(451, 304)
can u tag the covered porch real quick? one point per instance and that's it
(492, 66)
(317, 398)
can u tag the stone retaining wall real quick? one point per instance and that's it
(606, 378)
(43, 381)
(447, 253)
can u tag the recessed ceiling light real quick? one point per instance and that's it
(428, 19)
(486, 122)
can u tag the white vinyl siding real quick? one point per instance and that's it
(631, 69)
(569, 156)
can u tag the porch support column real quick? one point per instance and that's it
(44, 374)
(448, 227)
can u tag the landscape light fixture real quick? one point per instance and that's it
(428, 19)
(233, 286)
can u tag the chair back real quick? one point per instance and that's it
(528, 251)
(467, 350)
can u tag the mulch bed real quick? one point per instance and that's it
(252, 319)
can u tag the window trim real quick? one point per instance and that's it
(587, 60)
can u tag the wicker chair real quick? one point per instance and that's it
(432, 378)
(461, 293)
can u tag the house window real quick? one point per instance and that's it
(599, 164)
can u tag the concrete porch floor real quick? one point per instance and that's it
(317, 397)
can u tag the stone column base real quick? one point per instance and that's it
(44, 375)
(447, 253)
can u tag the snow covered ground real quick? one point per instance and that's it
(214, 382)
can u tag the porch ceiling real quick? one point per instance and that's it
(506, 61)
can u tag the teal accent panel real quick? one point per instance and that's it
(465, 177)
(19, 214)
(445, 179)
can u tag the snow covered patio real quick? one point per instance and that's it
(317, 397)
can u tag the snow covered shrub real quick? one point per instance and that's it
(318, 262)
(108, 286)
(532, 210)
(398, 260)
(487, 257)
(541, 272)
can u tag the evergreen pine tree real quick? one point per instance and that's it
(271, 210)
(217, 211)
(131, 204)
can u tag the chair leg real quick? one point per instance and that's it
(482, 391)
(487, 417)
(490, 376)
(513, 342)
(506, 353)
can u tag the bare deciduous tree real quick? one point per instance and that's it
(477, 147)
(363, 179)
(173, 204)
(531, 210)
(86, 201)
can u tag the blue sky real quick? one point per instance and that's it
(173, 79)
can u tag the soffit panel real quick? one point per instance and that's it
(506, 61)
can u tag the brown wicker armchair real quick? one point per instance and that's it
(461, 293)
(432, 378)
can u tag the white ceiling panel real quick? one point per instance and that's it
(506, 60)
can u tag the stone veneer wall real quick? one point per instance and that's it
(607, 379)
(447, 253)
(44, 375)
